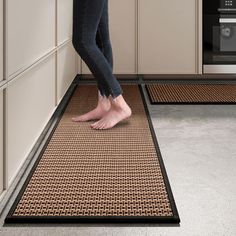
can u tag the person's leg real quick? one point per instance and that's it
(79, 11)
(103, 42)
(84, 41)
(119, 108)
(104, 36)
(103, 89)
(87, 14)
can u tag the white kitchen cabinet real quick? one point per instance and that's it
(67, 57)
(66, 69)
(64, 20)
(1, 97)
(1, 141)
(36, 79)
(30, 32)
(1, 40)
(30, 104)
(167, 36)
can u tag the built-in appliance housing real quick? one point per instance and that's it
(219, 36)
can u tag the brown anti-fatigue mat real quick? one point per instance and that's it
(191, 93)
(86, 175)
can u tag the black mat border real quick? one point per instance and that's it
(96, 219)
(186, 103)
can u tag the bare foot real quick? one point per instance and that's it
(97, 113)
(119, 111)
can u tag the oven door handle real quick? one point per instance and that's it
(226, 9)
(227, 20)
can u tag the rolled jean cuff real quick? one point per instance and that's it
(116, 93)
(103, 94)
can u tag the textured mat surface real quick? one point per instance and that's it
(191, 93)
(87, 175)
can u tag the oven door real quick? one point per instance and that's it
(224, 42)
(222, 49)
(219, 36)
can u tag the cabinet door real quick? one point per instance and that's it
(1, 141)
(1, 40)
(1, 96)
(64, 20)
(29, 106)
(30, 31)
(122, 27)
(167, 36)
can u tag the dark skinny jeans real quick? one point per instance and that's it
(91, 40)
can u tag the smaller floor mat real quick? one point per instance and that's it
(191, 93)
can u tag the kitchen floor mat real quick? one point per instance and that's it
(85, 175)
(191, 93)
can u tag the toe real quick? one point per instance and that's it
(102, 126)
(106, 125)
(75, 120)
(96, 124)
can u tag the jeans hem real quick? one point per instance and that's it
(114, 95)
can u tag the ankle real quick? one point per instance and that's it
(118, 102)
(104, 100)
(104, 103)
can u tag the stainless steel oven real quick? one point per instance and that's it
(219, 36)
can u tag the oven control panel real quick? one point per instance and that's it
(227, 4)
